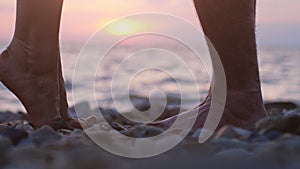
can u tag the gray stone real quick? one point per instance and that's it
(42, 136)
(142, 131)
(293, 112)
(284, 124)
(9, 116)
(25, 126)
(15, 135)
(279, 108)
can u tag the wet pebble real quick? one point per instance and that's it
(42, 136)
(25, 126)
(279, 108)
(293, 112)
(284, 124)
(9, 116)
(142, 131)
(14, 134)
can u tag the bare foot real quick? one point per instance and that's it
(38, 85)
(242, 109)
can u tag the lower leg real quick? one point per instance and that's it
(230, 27)
(30, 67)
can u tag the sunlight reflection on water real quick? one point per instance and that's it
(279, 69)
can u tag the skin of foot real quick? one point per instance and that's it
(242, 109)
(229, 26)
(39, 87)
(31, 68)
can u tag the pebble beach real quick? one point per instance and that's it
(274, 143)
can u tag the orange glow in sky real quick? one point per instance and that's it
(125, 27)
(83, 18)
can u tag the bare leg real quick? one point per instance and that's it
(230, 26)
(31, 66)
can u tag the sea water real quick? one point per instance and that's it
(279, 70)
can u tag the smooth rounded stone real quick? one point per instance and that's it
(100, 127)
(279, 108)
(74, 138)
(142, 131)
(293, 112)
(92, 119)
(25, 126)
(15, 135)
(9, 116)
(172, 108)
(141, 104)
(285, 124)
(73, 141)
(232, 132)
(42, 136)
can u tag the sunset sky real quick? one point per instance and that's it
(278, 20)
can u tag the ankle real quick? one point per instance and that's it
(245, 100)
(32, 59)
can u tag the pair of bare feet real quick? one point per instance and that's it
(42, 92)
(31, 68)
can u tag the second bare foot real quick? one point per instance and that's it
(242, 109)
